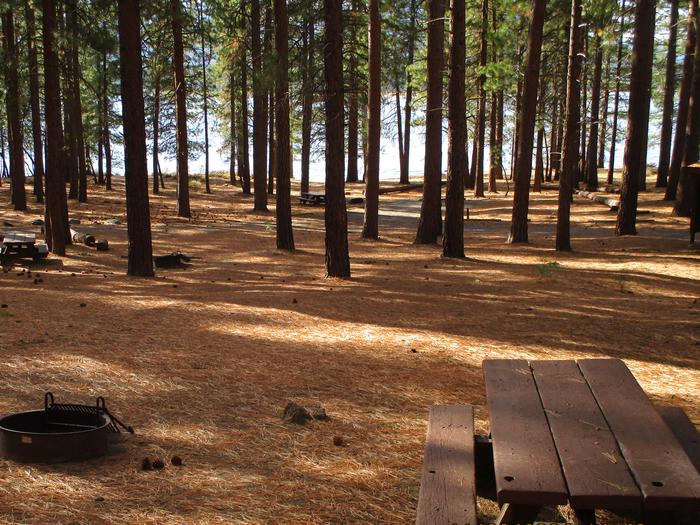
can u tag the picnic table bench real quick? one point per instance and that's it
(313, 199)
(578, 432)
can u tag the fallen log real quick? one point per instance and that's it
(399, 188)
(83, 238)
(611, 202)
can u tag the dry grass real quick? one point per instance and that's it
(202, 361)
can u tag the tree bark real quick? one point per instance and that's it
(232, 125)
(674, 170)
(35, 102)
(453, 240)
(270, 101)
(13, 108)
(686, 191)
(481, 125)
(592, 153)
(336, 218)
(259, 115)
(370, 229)
(603, 122)
(669, 95)
(640, 86)
(140, 255)
(570, 147)
(307, 103)
(183, 177)
(618, 80)
(156, 128)
(77, 130)
(243, 137)
(353, 108)
(55, 214)
(430, 223)
(285, 237)
(523, 167)
(205, 94)
(404, 177)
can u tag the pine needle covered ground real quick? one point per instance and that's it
(202, 361)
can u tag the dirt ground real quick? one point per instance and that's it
(202, 361)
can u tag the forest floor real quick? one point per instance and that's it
(202, 361)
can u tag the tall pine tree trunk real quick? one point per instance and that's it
(285, 238)
(523, 167)
(570, 147)
(76, 109)
(353, 107)
(13, 108)
(140, 254)
(156, 127)
(205, 94)
(243, 137)
(370, 229)
(592, 153)
(403, 177)
(616, 106)
(336, 217)
(481, 125)
(35, 102)
(307, 104)
(56, 209)
(669, 95)
(686, 191)
(183, 177)
(674, 170)
(259, 115)
(430, 223)
(603, 122)
(640, 86)
(233, 124)
(453, 240)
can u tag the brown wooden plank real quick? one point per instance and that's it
(660, 466)
(448, 484)
(595, 471)
(684, 430)
(525, 460)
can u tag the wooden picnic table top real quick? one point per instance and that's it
(583, 432)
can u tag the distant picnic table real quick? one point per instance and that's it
(313, 199)
(579, 432)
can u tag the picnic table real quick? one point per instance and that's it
(16, 245)
(581, 432)
(313, 199)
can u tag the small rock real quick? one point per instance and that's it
(83, 305)
(414, 351)
(74, 221)
(113, 221)
(338, 441)
(296, 414)
(99, 498)
(177, 461)
(146, 464)
(37, 222)
(158, 464)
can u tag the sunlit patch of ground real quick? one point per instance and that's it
(202, 361)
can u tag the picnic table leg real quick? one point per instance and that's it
(514, 514)
(584, 517)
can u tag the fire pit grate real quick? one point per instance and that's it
(61, 432)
